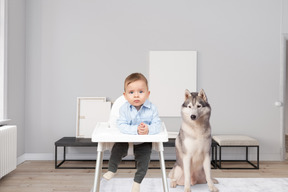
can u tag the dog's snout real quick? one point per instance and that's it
(193, 117)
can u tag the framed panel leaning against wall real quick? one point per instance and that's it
(170, 73)
(91, 110)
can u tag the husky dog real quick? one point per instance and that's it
(193, 144)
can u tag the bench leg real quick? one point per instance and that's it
(257, 157)
(55, 156)
(247, 153)
(220, 157)
(57, 166)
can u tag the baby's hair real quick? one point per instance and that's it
(134, 77)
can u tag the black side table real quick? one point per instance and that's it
(72, 142)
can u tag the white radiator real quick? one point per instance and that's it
(8, 146)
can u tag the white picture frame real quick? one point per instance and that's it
(170, 73)
(90, 110)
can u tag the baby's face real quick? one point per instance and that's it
(136, 93)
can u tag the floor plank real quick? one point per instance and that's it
(35, 176)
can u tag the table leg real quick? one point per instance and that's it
(98, 170)
(163, 169)
(55, 156)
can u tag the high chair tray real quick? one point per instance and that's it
(103, 133)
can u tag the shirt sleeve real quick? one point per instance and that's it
(124, 124)
(155, 126)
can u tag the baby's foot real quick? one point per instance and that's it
(109, 175)
(136, 187)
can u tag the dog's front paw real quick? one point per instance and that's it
(173, 183)
(187, 190)
(215, 181)
(213, 189)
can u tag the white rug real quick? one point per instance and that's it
(225, 185)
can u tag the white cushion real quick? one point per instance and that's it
(234, 140)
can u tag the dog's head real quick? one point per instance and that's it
(195, 106)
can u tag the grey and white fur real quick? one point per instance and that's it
(193, 144)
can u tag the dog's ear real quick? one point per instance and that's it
(187, 94)
(202, 95)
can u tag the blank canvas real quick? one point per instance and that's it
(170, 73)
(91, 110)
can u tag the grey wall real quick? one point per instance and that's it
(16, 69)
(286, 98)
(86, 48)
(285, 16)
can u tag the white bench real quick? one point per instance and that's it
(235, 141)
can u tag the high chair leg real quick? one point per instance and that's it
(98, 169)
(163, 169)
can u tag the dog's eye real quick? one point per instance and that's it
(199, 106)
(189, 106)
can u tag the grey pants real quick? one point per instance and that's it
(142, 154)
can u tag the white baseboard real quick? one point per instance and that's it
(154, 156)
(35, 156)
(51, 156)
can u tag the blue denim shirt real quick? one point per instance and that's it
(129, 118)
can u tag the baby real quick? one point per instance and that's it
(138, 116)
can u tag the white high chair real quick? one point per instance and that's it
(107, 133)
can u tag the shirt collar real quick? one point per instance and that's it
(146, 104)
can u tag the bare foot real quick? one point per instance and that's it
(109, 175)
(136, 187)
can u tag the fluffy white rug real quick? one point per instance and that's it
(225, 185)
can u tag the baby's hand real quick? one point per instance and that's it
(143, 129)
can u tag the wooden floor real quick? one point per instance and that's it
(41, 176)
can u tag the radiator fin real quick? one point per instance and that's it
(8, 149)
